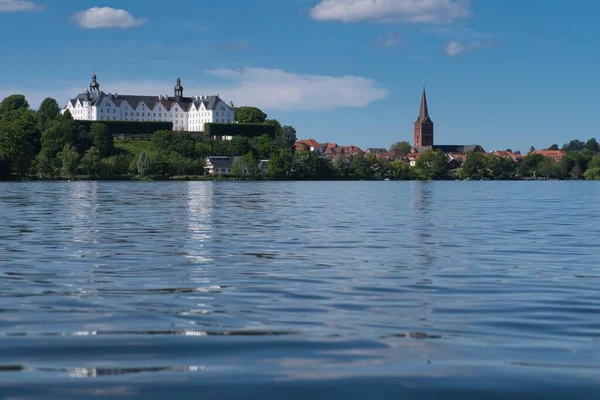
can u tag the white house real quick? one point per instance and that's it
(219, 165)
(186, 113)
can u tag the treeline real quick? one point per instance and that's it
(583, 164)
(578, 145)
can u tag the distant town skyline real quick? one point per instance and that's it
(501, 74)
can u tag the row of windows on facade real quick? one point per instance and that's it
(126, 107)
(203, 114)
(192, 122)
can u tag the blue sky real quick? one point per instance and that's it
(501, 74)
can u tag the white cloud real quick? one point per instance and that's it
(419, 11)
(454, 48)
(18, 5)
(269, 89)
(107, 17)
(280, 90)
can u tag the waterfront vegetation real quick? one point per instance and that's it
(44, 144)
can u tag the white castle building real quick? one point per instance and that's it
(186, 113)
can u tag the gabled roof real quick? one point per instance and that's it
(310, 142)
(96, 99)
(221, 162)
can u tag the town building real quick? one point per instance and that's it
(219, 165)
(186, 113)
(555, 155)
(424, 137)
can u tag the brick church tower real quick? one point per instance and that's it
(423, 125)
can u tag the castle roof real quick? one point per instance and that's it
(96, 99)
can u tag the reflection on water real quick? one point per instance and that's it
(82, 204)
(299, 289)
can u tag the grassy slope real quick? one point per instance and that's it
(134, 147)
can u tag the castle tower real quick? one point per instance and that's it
(423, 125)
(178, 88)
(94, 85)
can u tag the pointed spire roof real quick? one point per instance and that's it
(424, 112)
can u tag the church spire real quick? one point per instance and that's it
(423, 125)
(424, 112)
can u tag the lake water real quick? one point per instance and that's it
(353, 290)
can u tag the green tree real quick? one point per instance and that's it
(143, 164)
(92, 163)
(45, 166)
(102, 139)
(499, 167)
(531, 149)
(245, 165)
(539, 166)
(399, 170)
(593, 171)
(337, 167)
(403, 146)
(70, 160)
(119, 164)
(249, 115)
(432, 165)
(360, 167)
(553, 147)
(592, 145)
(574, 145)
(49, 110)
(58, 133)
(239, 145)
(475, 166)
(566, 164)
(280, 165)
(308, 165)
(163, 140)
(13, 103)
(286, 137)
(263, 147)
(19, 140)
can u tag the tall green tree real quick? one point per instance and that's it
(432, 165)
(143, 164)
(553, 147)
(92, 163)
(49, 110)
(249, 115)
(102, 139)
(13, 103)
(286, 137)
(19, 139)
(70, 160)
(58, 133)
(592, 145)
(403, 146)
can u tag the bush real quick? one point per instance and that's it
(130, 127)
(246, 130)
